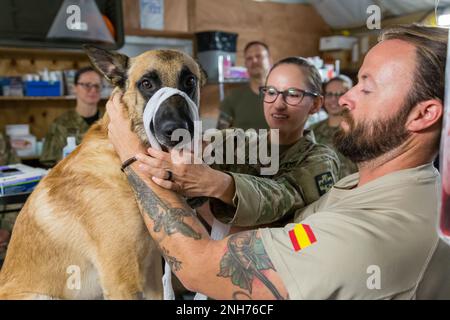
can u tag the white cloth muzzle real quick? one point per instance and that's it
(219, 230)
(153, 105)
(149, 117)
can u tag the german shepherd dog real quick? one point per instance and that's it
(80, 234)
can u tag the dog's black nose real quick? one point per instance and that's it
(169, 127)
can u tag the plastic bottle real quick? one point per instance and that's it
(227, 64)
(71, 145)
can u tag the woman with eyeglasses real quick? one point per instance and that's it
(75, 123)
(239, 193)
(325, 130)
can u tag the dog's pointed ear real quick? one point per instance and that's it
(112, 65)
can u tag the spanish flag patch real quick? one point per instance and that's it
(302, 236)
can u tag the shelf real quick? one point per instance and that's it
(54, 54)
(26, 98)
(159, 33)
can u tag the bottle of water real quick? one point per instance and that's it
(71, 145)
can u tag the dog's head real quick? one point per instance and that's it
(140, 77)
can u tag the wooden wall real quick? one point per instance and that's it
(36, 112)
(288, 29)
(176, 17)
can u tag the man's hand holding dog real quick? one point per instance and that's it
(126, 143)
(192, 180)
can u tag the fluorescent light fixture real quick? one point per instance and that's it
(443, 20)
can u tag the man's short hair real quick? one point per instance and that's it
(84, 70)
(341, 78)
(252, 43)
(431, 56)
(431, 51)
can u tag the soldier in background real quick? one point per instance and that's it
(87, 87)
(243, 108)
(7, 156)
(325, 130)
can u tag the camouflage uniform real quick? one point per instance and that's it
(7, 154)
(242, 109)
(68, 124)
(306, 171)
(324, 134)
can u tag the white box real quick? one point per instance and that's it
(337, 43)
(17, 129)
(19, 178)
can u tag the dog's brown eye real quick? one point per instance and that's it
(146, 84)
(190, 82)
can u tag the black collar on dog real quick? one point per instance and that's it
(127, 163)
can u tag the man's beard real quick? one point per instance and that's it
(368, 141)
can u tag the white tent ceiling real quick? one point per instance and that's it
(351, 13)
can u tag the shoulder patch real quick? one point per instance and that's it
(301, 237)
(324, 182)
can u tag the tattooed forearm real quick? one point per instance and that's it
(170, 220)
(174, 264)
(244, 260)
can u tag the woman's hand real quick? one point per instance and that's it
(187, 177)
(125, 142)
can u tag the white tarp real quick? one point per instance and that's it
(353, 13)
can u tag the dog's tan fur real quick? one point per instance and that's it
(84, 214)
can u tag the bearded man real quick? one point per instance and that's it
(373, 235)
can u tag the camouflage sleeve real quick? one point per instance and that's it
(55, 140)
(7, 154)
(261, 200)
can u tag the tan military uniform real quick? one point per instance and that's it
(371, 242)
(68, 124)
(7, 154)
(306, 171)
(242, 109)
(324, 134)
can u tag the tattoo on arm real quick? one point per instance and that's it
(164, 217)
(244, 260)
(173, 262)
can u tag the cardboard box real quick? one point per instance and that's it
(19, 178)
(337, 43)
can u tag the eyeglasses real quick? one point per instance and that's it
(334, 94)
(88, 86)
(291, 96)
